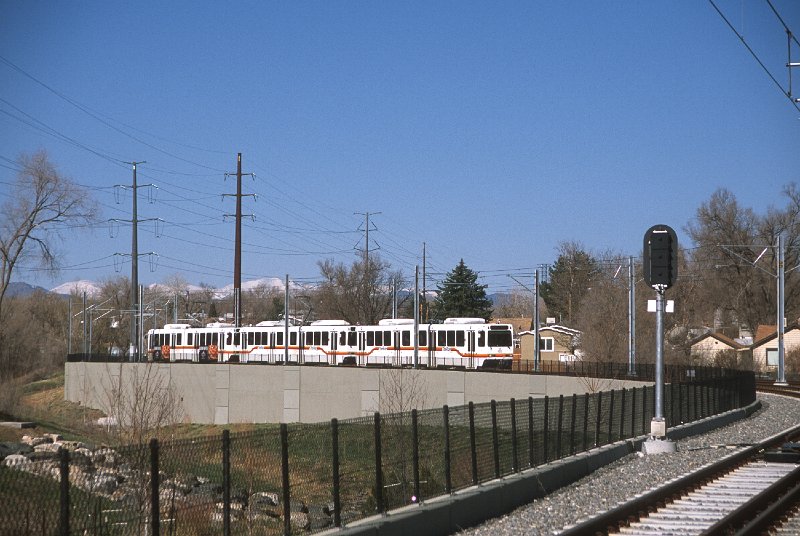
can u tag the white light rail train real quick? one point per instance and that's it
(469, 343)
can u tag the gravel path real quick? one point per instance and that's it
(636, 473)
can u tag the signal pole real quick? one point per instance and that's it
(237, 256)
(660, 267)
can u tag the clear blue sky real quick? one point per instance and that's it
(490, 131)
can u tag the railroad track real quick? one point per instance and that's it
(745, 493)
(792, 389)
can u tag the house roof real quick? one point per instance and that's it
(720, 337)
(764, 330)
(554, 327)
(764, 334)
(518, 323)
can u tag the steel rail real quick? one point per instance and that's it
(622, 514)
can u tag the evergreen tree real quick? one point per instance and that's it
(570, 278)
(460, 295)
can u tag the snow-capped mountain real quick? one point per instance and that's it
(91, 288)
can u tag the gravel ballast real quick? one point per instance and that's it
(638, 473)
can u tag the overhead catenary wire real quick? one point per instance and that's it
(755, 56)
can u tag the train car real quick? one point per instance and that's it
(468, 343)
(317, 343)
(183, 343)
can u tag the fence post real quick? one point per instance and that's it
(572, 425)
(644, 409)
(473, 450)
(672, 401)
(531, 460)
(415, 453)
(514, 453)
(226, 482)
(622, 415)
(337, 504)
(633, 412)
(495, 441)
(448, 479)
(378, 469)
(598, 419)
(63, 470)
(155, 510)
(546, 430)
(611, 418)
(287, 512)
(585, 421)
(559, 427)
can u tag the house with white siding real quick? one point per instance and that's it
(705, 348)
(765, 346)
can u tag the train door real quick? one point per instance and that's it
(395, 342)
(471, 349)
(333, 347)
(361, 351)
(301, 345)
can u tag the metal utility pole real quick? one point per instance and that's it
(631, 319)
(237, 256)
(781, 379)
(416, 316)
(286, 322)
(134, 350)
(537, 355)
(366, 236)
(424, 280)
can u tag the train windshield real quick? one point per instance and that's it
(500, 337)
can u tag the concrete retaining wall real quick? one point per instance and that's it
(237, 393)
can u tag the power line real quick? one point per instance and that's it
(755, 56)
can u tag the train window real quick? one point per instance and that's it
(451, 337)
(214, 338)
(441, 337)
(318, 338)
(405, 338)
(178, 339)
(228, 337)
(189, 338)
(342, 338)
(293, 338)
(351, 338)
(251, 338)
(387, 338)
(279, 338)
(324, 340)
(370, 338)
(237, 338)
(482, 339)
(459, 338)
(500, 338)
(256, 338)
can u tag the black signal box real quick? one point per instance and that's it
(660, 256)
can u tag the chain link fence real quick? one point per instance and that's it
(300, 478)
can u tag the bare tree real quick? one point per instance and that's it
(41, 203)
(736, 256)
(401, 391)
(518, 304)
(360, 294)
(141, 400)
